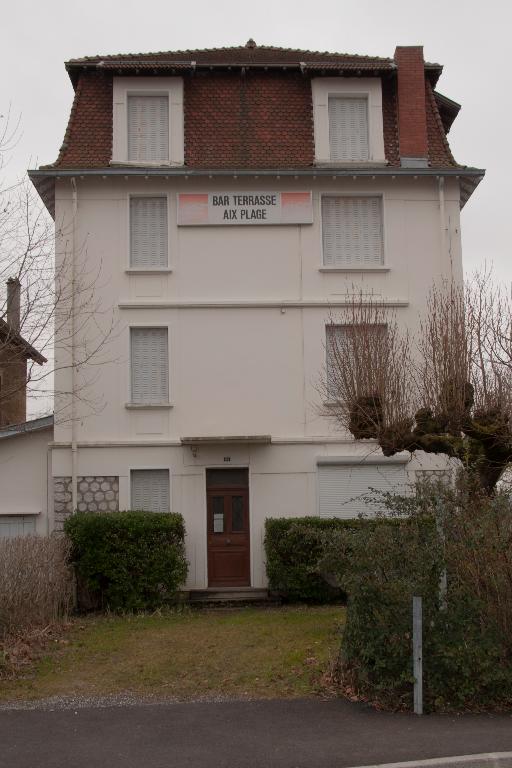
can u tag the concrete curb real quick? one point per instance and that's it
(484, 760)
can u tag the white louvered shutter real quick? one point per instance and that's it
(16, 525)
(352, 231)
(150, 490)
(149, 365)
(148, 232)
(343, 488)
(148, 128)
(348, 129)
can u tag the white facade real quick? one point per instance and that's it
(245, 308)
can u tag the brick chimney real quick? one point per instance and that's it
(412, 117)
(13, 303)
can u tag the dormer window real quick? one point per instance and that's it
(347, 114)
(148, 121)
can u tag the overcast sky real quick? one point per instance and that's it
(470, 38)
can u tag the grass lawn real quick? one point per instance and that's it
(254, 652)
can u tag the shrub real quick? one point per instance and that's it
(295, 549)
(467, 638)
(36, 584)
(128, 560)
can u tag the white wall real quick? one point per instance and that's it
(23, 476)
(249, 369)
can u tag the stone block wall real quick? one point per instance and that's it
(94, 494)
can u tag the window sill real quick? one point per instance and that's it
(148, 271)
(147, 406)
(341, 164)
(145, 164)
(354, 269)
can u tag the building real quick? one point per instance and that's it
(15, 352)
(23, 459)
(229, 201)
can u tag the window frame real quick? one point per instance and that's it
(147, 270)
(172, 87)
(369, 88)
(158, 467)
(384, 266)
(129, 403)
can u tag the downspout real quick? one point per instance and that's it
(442, 222)
(74, 449)
(49, 488)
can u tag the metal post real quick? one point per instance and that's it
(417, 651)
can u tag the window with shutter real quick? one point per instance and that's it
(337, 340)
(344, 489)
(149, 366)
(148, 232)
(16, 525)
(352, 231)
(348, 129)
(148, 128)
(150, 490)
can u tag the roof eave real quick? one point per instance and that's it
(44, 178)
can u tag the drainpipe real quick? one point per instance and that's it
(74, 449)
(442, 221)
(49, 487)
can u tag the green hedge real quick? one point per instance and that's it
(295, 548)
(467, 644)
(127, 560)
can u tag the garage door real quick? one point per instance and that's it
(344, 488)
(16, 525)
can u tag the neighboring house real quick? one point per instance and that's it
(14, 354)
(230, 200)
(24, 456)
(24, 477)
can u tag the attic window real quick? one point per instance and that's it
(148, 121)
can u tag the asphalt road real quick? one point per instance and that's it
(281, 734)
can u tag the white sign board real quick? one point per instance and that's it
(197, 208)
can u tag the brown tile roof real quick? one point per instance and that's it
(439, 152)
(243, 55)
(266, 120)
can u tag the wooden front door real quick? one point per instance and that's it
(228, 528)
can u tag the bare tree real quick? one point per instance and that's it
(448, 391)
(51, 319)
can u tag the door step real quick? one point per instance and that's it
(230, 595)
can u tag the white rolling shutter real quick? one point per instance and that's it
(148, 232)
(148, 128)
(149, 366)
(150, 490)
(348, 129)
(342, 487)
(352, 231)
(16, 525)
